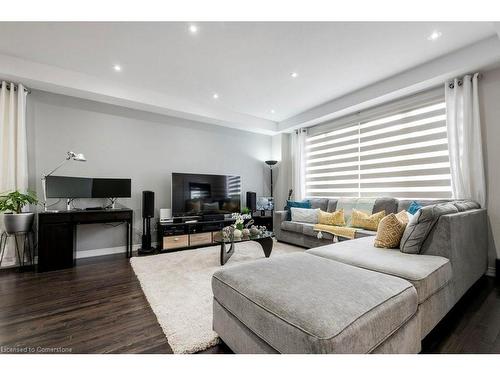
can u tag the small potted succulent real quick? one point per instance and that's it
(11, 205)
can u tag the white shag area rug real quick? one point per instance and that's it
(178, 287)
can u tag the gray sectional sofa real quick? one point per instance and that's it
(302, 234)
(349, 297)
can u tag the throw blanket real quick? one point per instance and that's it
(335, 230)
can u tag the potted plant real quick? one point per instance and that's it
(11, 205)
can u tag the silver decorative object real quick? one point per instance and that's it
(254, 230)
(18, 223)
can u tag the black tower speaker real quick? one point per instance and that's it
(251, 201)
(148, 212)
(148, 204)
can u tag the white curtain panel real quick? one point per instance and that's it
(13, 148)
(298, 163)
(464, 139)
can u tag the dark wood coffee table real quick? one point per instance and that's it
(265, 240)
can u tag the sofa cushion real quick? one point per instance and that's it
(421, 225)
(404, 204)
(300, 303)
(466, 205)
(360, 204)
(308, 230)
(389, 205)
(332, 205)
(321, 203)
(292, 226)
(428, 273)
(365, 233)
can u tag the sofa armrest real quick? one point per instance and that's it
(278, 218)
(462, 238)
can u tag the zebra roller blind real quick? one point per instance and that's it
(403, 155)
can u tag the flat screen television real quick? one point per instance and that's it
(87, 187)
(199, 194)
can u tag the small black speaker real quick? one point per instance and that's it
(251, 201)
(148, 204)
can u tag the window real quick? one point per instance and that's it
(403, 154)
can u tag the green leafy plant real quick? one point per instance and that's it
(15, 201)
(245, 210)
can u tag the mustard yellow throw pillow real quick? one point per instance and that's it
(363, 220)
(390, 230)
(332, 218)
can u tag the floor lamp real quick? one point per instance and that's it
(271, 163)
(70, 155)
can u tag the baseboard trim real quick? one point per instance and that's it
(491, 271)
(106, 251)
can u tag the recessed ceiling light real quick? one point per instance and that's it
(215, 95)
(193, 29)
(435, 35)
(294, 74)
(273, 111)
(117, 68)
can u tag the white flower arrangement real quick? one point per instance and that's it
(240, 219)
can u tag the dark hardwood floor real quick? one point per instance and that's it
(99, 307)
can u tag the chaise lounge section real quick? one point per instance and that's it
(336, 294)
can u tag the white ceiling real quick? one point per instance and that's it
(247, 64)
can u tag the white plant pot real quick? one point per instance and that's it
(15, 223)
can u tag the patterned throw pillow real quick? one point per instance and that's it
(390, 230)
(305, 215)
(363, 220)
(404, 216)
(414, 207)
(332, 218)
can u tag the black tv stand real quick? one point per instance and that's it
(189, 232)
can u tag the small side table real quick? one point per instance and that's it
(27, 249)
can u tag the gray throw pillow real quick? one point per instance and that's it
(421, 224)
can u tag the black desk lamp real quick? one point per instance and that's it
(271, 163)
(70, 155)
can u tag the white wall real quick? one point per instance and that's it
(282, 172)
(146, 147)
(489, 91)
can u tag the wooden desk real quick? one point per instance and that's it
(57, 234)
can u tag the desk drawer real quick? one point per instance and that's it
(200, 239)
(173, 242)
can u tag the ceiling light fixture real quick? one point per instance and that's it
(294, 74)
(215, 95)
(273, 111)
(193, 29)
(117, 68)
(435, 35)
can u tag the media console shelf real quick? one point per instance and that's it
(176, 236)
